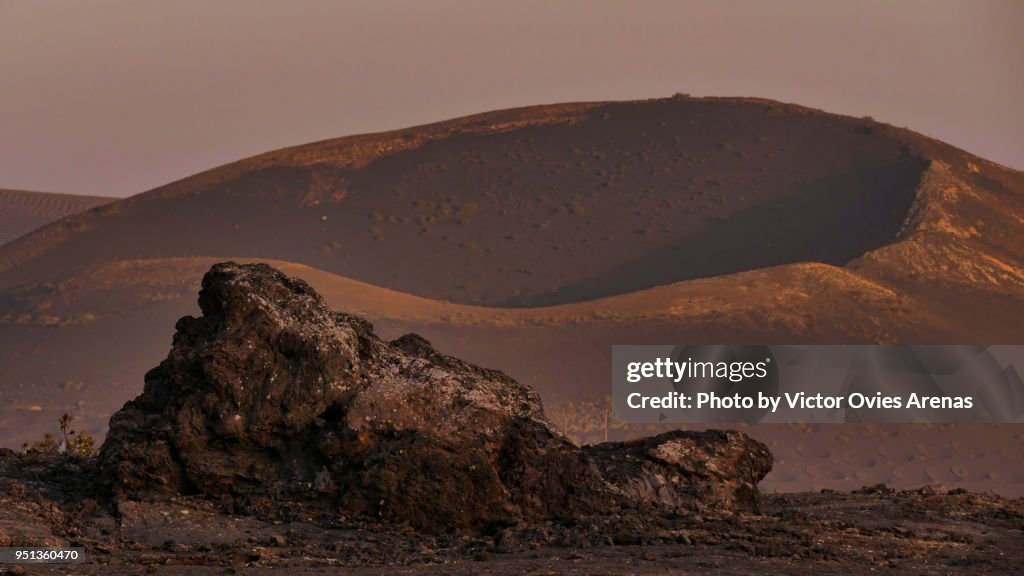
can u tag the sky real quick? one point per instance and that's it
(112, 98)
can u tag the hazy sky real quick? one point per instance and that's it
(114, 98)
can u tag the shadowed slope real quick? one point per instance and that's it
(532, 207)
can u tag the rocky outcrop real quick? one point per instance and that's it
(713, 469)
(274, 404)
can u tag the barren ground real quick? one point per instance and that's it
(925, 531)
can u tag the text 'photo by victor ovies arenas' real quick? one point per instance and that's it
(534, 287)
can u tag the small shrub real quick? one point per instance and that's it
(77, 444)
(80, 444)
(48, 445)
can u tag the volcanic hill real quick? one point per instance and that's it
(530, 240)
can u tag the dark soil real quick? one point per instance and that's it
(928, 531)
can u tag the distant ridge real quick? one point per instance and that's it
(22, 211)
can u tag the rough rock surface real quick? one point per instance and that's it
(271, 403)
(51, 500)
(714, 469)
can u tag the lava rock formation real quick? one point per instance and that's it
(273, 404)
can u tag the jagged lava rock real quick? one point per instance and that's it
(708, 470)
(271, 396)
(274, 404)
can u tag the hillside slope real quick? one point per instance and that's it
(529, 207)
(532, 240)
(22, 212)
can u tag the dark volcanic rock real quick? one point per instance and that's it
(274, 404)
(713, 469)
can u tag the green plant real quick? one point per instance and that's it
(48, 445)
(77, 444)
